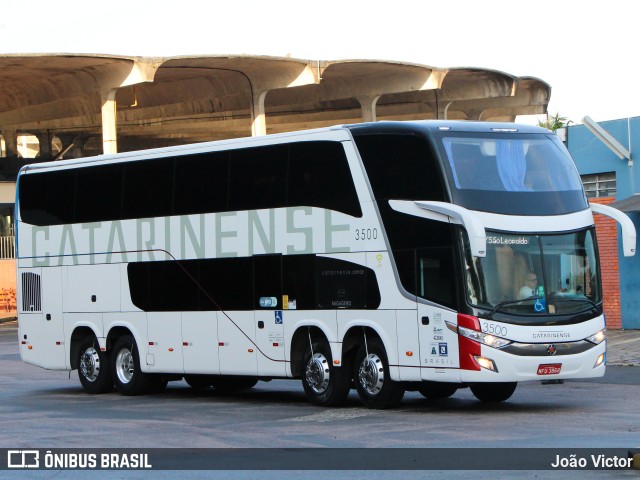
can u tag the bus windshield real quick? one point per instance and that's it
(523, 174)
(534, 275)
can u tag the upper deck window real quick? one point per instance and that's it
(516, 175)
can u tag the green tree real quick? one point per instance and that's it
(553, 122)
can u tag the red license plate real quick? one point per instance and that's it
(549, 369)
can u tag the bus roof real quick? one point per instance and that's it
(356, 129)
(442, 125)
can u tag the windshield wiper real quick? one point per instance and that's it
(584, 299)
(510, 302)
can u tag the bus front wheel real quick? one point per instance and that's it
(493, 392)
(323, 383)
(93, 367)
(373, 382)
(125, 368)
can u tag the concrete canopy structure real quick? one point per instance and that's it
(99, 103)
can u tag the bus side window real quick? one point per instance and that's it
(436, 275)
(319, 176)
(344, 284)
(267, 282)
(299, 281)
(147, 188)
(257, 178)
(201, 183)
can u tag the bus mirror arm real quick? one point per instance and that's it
(448, 212)
(628, 228)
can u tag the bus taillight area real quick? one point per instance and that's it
(498, 352)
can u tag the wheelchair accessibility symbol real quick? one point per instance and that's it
(278, 315)
(538, 306)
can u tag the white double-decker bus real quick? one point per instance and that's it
(384, 257)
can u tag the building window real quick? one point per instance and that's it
(600, 184)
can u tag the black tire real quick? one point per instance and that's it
(125, 368)
(373, 382)
(229, 384)
(493, 392)
(93, 367)
(199, 382)
(438, 390)
(323, 383)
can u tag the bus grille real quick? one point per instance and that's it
(31, 294)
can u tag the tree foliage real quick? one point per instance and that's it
(553, 122)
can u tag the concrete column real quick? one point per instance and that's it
(45, 145)
(109, 132)
(258, 118)
(77, 150)
(368, 107)
(10, 142)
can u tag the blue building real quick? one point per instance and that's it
(607, 179)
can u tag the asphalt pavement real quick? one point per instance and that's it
(623, 347)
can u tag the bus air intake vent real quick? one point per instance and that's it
(31, 292)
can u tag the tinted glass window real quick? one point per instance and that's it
(148, 188)
(258, 178)
(319, 176)
(241, 284)
(201, 183)
(228, 282)
(98, 193)
(299, 281)
(47, 198)
(403, 167)
(343, 284)
(435, 275)
(400, 167)
(302, 174)
(267, 280)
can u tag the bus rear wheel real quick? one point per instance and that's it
(93, 367)
(323, 383)
(493, 392)
(125, 368)
(373, 382)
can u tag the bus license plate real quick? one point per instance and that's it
(549, 369)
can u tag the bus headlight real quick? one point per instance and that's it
(485, 338)
(486, 363)
(599, 337)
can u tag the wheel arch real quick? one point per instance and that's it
(118, 331)
(79, 334)
(299, 342)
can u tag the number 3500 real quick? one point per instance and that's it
(366, 233)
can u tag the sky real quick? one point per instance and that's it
(585, 49)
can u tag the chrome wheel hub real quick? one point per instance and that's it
(317, 373)
(90, 364)
(371, 374)
(124, 365)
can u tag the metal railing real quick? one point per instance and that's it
(7, 247)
